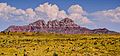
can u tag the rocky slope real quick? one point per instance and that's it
(64, 26)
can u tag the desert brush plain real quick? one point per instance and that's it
(51, 44)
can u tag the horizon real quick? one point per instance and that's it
(90, 14)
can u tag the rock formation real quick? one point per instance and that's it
(66, 26)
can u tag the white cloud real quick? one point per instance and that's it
(62, 14)
(112, 15)
(76, 12)
(50, 11)
(18, 12)
(30, 11)
(45, 11)
(7, 12)
(75, 9)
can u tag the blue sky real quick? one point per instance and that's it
(88, 5)
(93, 8)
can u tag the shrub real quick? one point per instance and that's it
(55, 54)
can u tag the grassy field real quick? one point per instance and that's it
(50, 44)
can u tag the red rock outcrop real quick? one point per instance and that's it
(66, 26)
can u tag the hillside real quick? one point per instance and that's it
(66, 26)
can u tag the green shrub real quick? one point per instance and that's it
(55, 54)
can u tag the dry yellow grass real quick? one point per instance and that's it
(49, 44)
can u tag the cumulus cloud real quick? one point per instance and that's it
(51, 12)
(30, 11)
(10, 13)
(44, 11)
(62, 14)
(76, 12)
(76, 9)
(112, 15)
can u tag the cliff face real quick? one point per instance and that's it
(66, 26)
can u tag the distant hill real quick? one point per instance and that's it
(66, 26)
